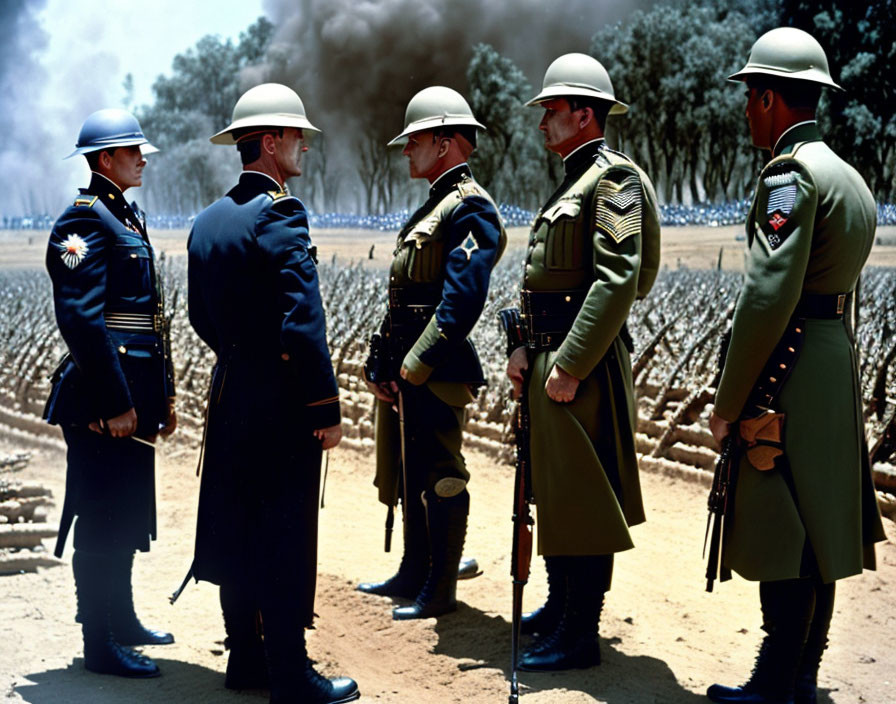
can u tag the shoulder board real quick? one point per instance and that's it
(621, 155)
(781, 171)
(468, 188)
(87, 201)
(277, 195)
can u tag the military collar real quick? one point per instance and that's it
(582, 156)
(113, 198)
(449, 179)
(800, 132)
(259, 182)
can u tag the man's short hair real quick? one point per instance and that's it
(600, 108)
(248, 142)
(93, 158)
(468, 132)
(799, 95)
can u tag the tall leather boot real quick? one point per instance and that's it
(126, 627)
(293, 677)
(246, 664)
(408, 581)
(447, 522)
(807, 673)
(545, 619)
(101, 652)
(787, 607)
(574, 642)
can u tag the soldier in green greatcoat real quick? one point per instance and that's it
(812, 517)
(422, 367)
(593, 250)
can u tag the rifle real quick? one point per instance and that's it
(521, 557)
(721, 507)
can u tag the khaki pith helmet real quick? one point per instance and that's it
(787, 52)
(435, 107)
(578, 75)
(267, 105)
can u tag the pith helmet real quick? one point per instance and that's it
(110, 128)
(267, 105)
(787, 52)
(434, 107)
(578, 75)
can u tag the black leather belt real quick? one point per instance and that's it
(826, 306)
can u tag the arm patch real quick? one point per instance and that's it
(617, 207)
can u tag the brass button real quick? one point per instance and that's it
(123, 349)
(133, 255)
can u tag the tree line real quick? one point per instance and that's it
(669, 63)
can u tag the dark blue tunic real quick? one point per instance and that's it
(254, 299)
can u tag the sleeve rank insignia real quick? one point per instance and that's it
(781, 200)
(73, 250)
(469, 245)
(617, 209)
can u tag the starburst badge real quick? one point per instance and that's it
(73, 251)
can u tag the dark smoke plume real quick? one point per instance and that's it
(356, 63)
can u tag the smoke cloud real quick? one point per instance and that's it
(356, 63)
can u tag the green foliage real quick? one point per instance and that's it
(191, 104)
(860, 42)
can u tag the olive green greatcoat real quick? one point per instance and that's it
(819, 248)
(599, 233)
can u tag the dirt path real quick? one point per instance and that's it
(663, 638)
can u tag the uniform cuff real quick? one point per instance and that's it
(324, 414)
(416, 372)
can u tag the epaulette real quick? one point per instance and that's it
(85, 201)
(781, 171)
(468, 187)
(617, 153)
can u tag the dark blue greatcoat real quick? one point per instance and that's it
(254, 299)
(108, 308)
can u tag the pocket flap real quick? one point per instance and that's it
(422, 232)
(568, 208)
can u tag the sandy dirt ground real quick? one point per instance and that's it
(694, 247)
(663, 638)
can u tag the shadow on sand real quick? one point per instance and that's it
(471, 634)
(180, 682)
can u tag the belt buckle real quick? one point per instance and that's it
(841, 303)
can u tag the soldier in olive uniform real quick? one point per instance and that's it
(273, 404)
(113, 393)
(423, 369)
(812, 518)
(593, 250)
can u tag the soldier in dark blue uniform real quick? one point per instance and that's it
(113, 393)
(423, 369)
(273, 408)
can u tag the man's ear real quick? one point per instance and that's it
(767, 99)
(267, 143)
(444, 146)
(105, 160)
(587, 116)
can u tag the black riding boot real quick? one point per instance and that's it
(447, 519)
(408, 581)
(293, 677)
(787, 607)
(573, 644)
(817, 641)
(126, 627)
(545, 619)
(246, 664)
(93, 576)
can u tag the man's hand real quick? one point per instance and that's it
(719, 427)
(561, 386)
(386, 391)
(329, 437)
(119, 426)
(171, 422)
(516, 365)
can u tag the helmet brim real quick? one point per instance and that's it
(142, 142)
(811, 75)
(566, 91)
(272, 120)
(432, 123)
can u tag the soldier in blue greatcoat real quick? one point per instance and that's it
(113, 393)
(273, 405)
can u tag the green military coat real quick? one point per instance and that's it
(599, 233)
(810, 230)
